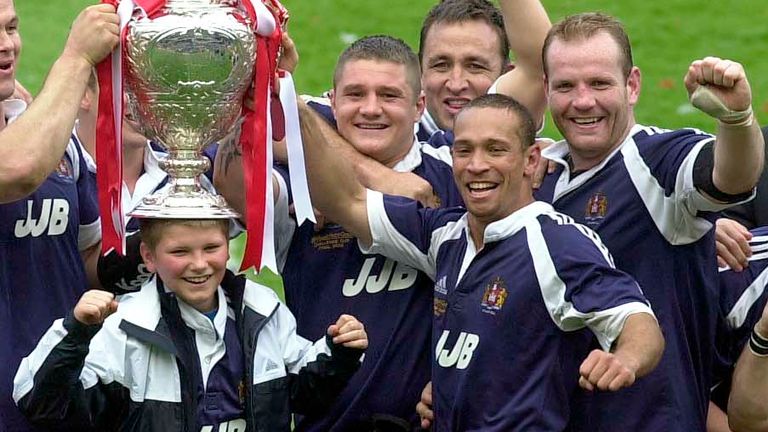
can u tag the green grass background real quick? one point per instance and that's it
(666, 35)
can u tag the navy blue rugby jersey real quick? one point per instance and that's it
(325, 274)
(643, 203)
(220, 383)
(743, 297)
(513, 320)
(41, 271)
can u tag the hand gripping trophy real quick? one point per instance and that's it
(186, 66)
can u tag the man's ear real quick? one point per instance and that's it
(421, 103)
(332, 98)
(532, 158)
(633, 85)
(148, 257)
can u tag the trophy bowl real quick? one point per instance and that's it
(186, 72)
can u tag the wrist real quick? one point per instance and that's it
(737, 119)
(758, 343)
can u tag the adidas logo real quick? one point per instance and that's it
(440, 286)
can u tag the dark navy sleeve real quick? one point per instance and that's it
(87, 196)
(743, 296)
(578, 280)
(406, 232)
(322, 106)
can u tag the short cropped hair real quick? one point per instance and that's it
(586, 25)
(153, 229)
(385, 49)
(526, 129)
(460, 11)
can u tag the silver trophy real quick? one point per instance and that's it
(186, 72)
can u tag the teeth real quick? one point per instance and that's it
(371, 126)
(586, 121)
(198, 279)
(481, 185)
(457, 103)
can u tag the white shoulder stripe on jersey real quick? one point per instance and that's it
(442, 153)
(606, 324)
(738, 313)
(388, 241)
(563, 219)
(89, 235)
(674, 216)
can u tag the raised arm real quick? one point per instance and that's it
(334, 187)
(747, 407)
(720, 88)
(32, 146)
(527, 25)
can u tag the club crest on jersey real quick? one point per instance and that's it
(64, 169)
(440, 306)
(597, 207)
(494, 296)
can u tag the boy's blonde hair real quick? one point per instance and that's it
(152, 229)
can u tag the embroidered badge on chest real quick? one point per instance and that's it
(597, 207)
(64, 169)
(494, 296)
(440, 307)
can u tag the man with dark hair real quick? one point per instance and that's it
(652, 195)
(464, 49)
(48, 219)
(376, 101)
(517, 285)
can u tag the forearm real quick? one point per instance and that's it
(526, 24)
(90, 258)
(333, 184)
(228, 173)
(640, 344)
(747, 408)
(32, 146)
(739, 153)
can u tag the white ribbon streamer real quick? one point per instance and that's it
(296, 168)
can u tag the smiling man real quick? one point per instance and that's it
(376, 101)
(518, 287)
(652, 195)
(464, 50)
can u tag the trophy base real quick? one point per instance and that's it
(194, 205)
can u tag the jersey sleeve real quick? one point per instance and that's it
(579, 282)
(404, 231)
(661, 165)
(743, 297)
(285, 225)
(87, 195)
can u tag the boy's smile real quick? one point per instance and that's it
(191, 262)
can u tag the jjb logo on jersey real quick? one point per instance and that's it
(52, 220)
(393, 276)
(461, 353)
(237, 425)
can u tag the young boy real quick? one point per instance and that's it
(197, 349)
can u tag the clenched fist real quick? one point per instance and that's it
(95, 306)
